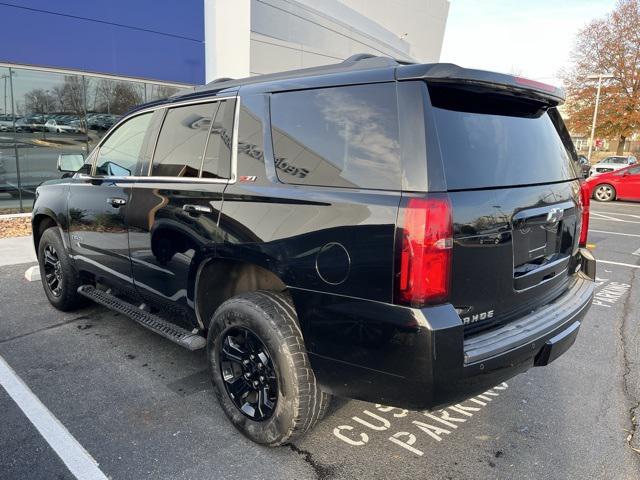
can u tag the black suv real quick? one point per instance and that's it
(396, 233)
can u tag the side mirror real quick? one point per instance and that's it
(626, 174)
(70, 163)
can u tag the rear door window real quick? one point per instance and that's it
(182, 140)
(493, 140)
(339, 136)
(217, 157)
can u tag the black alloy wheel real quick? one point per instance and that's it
(248, 372)
(260, 368)
(60, 280)
(52, 270)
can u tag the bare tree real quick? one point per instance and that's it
(607, 45)
(116, 96)
(71, 95)
(39, 100)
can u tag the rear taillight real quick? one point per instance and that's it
(425, 245)
(585, 200)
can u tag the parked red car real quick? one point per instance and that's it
(623, 184)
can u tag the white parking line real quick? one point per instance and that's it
(617, 204)
(618, 263)
(615, 233)
(637, 252)
(79, 462)
(599, 216)
(618, 213)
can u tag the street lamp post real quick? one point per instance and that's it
(595, 110)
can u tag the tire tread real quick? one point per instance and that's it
(311, 402)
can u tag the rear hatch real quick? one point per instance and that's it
(512, 178)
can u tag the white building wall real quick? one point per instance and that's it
(289, 34)
(421, 23)
(227, 25)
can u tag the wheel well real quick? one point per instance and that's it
(40, 224)
(219, 280)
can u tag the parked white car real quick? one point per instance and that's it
(6, 123)
(60, 126)
(609, 164)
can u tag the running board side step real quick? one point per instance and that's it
(184, 338)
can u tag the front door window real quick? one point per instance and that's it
(120, 153)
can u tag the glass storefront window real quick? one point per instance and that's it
(45, 114)
(160, 92)
(49, 120)
(107, 101)
(9, 193)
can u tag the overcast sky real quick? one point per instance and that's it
(530, 37)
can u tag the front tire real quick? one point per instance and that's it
(260, 368)
(59, 279)
(604, 193)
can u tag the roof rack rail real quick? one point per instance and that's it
(365, 56)
(221, 79)
(358, 61)
(358, 56)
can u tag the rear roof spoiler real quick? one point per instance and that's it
(451, 73)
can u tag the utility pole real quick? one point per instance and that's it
(595, 110)
(5, 77)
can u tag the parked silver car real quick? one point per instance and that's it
(609, 164)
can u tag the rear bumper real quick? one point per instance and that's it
(419, 358)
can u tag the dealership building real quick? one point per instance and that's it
(69, 69)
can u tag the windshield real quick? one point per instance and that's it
(616, 160)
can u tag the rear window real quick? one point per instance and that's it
(339, 136)
(493, 140)
(182, 140)
(615, 160)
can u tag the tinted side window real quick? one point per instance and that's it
(217, 157)
(340, 136)
(182, 140)
(251, 136)
(120, 153)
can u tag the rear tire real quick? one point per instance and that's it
(604, 192)
(59, 278)
(263, 325)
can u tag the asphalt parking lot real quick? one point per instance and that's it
(143, 407)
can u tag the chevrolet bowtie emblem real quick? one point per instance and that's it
(555, 215)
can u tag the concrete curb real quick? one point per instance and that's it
(9, 216)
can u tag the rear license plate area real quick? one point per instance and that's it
(543, 239)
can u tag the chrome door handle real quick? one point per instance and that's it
(196, 208)
(116, 202)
